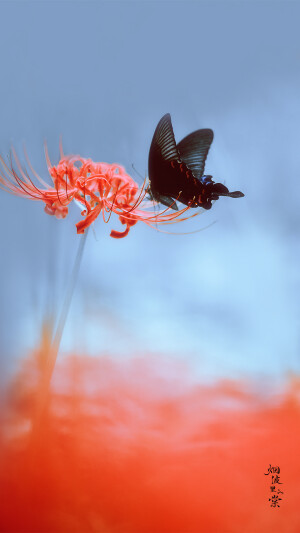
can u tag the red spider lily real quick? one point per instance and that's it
(96, 187)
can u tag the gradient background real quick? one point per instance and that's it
(222, 304)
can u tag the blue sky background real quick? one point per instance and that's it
(102, 74)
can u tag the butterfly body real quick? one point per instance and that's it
(176, 171)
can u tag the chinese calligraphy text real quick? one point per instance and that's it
(274, 471)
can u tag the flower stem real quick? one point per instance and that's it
(66, 306)
(53, 349)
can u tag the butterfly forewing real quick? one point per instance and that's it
(162, 152)
(193, 150)
(163, 141)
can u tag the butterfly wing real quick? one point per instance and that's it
(193, 150)
(163, 151)
(163, 146)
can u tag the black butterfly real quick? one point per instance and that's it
(176, 170)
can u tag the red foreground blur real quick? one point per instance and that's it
(135, 447)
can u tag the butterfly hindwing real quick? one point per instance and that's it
(193, 150)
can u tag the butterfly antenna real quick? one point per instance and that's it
(135, 170)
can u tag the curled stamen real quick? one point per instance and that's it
(111, 209)
(32, 169)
